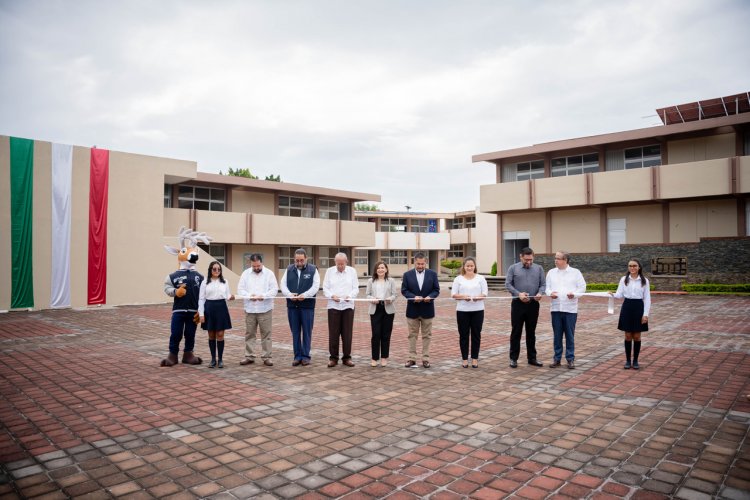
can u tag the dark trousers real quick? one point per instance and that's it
(340, 324)
(523, 314)
(182, 324)
(301, 325)
(469, 327)
(382, 326)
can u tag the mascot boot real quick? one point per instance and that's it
(190, 359)
(170, 360)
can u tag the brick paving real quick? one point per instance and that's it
(87, 412)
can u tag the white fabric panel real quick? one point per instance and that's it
(62, 175)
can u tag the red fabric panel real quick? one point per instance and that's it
(98, 197)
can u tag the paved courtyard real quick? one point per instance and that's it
(86, 411)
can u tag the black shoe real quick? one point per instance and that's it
(627, 365)
(212, 364)
(571, 365)
(635, 365)
(513, 363)
(555, 364)
(534, 362)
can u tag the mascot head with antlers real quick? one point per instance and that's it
(184, 285)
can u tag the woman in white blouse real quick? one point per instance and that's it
(469, 290)
(634, 288)
(381, 290)
(213, 311)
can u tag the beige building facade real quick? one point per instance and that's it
(149, 199)
(676, 183)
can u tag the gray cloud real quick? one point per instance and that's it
(385, 97)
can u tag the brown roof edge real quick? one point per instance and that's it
(614, 137)
(283, 187)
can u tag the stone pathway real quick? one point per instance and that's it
(86, 411)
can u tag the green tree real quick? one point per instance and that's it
(366, 207)
(451, 264)
(240, 172)
(274, 178)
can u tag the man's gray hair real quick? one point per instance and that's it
(565, 255)
(341, 254)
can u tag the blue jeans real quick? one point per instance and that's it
(301, 319)
(182, 323)
(564, 323)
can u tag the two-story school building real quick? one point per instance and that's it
(84, 226)
(439, 235)
(682, 182)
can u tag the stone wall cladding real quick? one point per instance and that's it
(711, 260)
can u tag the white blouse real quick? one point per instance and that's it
(212, 290)
(634, 290)
(474, 287)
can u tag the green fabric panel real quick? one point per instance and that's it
(21, 221)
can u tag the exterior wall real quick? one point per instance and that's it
(701, 148)
(6, 248)
(42, 228)
(576, 230)
(79, 226)
(174, 219)
(744, 174)
(356, 234)
(622, 186)
(706, 262)
(253, 202)
(486, 240)
(505, 196)
(644, 222)
(278, 230)
(461, 236)
(560, 191)
(223, 227)
(700, 178)
(235, 259)
(692, 220)
(534, 222)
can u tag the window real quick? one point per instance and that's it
(420, 226)
(394, 257)
(167, 196)
(393, 225)
(575, 165)
(286, 255)
(295, 206)
(326, 255)
(361, 258)
(201, 198)
(328, 209)
(217, 251)
(647, 156)
(530, 170)
(616, 234)
(454, 223)
(471, 221)
(456, 252)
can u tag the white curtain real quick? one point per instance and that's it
(62, 174)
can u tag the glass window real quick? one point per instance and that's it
(394, 256)
(575, 165)
(642, 157)
(393, 225)
(201, 198)
(326, 256)
(456, 252)
(420, 226)
(454, 223)
(471, 221)
(286, 255)
(216, 250)
(329, 209)
(530, 170)
(167, 196)
(361, 258)
(295, 206)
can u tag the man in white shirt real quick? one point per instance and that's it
(564, 285)
(259, 286)
(340, 286)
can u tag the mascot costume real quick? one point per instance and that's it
(184, 285)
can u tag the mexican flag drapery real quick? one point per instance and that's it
(22, 223)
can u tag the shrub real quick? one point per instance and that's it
(451, 264)
(716, 287)
(493, 271)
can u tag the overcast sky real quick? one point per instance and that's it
(385, 97)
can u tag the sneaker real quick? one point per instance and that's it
(410, 364)
(555, 363)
